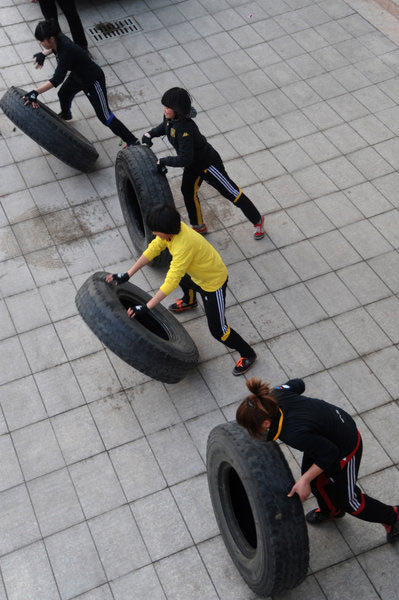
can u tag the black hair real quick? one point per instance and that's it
(179, 100)
(164, 218)
(47, 29)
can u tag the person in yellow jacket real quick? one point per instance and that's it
(197, 267)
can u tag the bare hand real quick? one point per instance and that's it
(34, 104)
(302, 488)
(131, 313)
(117, 278)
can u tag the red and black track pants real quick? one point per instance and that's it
(341, 492)
(214, 306)
(218, 178)
(96, 92)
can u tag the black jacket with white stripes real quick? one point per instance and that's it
(325, 433)
(194, 152)
(71, 57)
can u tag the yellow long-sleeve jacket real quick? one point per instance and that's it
(193, 255)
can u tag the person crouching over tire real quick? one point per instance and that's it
(332, 448)
(198, 268)
(199, 160)
(85, 75)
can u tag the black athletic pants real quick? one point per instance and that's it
(97, 94)
(217, 177)
(214, 306)
(68, 7)
(342, 493)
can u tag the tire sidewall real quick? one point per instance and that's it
(140, 237)
(140, 188)
(279, 559)
(252, 568)
(48, 130)
(167, 360)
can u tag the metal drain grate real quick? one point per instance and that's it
(112, 30)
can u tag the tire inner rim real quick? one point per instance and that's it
(148, 320)
(133, 207)
(237, 510)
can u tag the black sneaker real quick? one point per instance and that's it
(393, 530)
(180, 305)
(317, 516)
(243, 365)
(66, 116)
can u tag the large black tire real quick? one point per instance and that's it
(140, 188)
(51, 132)
(264, 531)
(156, 344)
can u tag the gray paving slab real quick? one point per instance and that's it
(143, 583)
(353, 579)
(161, 524)
(299, 97)
(118, 542)
(27, 572)
(74, 560)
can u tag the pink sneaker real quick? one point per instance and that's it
(200, 228)
(259, 231)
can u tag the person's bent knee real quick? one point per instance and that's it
(106, 120)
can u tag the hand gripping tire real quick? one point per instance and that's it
(264, 531)
(157, 344)
(140, 188)
(51, 132)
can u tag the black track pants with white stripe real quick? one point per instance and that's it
(96, 92)
(217, 177)
(342, 493)
(214, 306)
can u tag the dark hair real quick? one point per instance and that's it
(47, 29)
(164, 218)
(179, 100)
(257, 407)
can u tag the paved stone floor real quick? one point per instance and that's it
(103, 491)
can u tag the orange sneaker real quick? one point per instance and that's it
(243, 365)
(180, 305)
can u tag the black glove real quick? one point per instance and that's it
(161, 169)
(31, 96)
(39, 58)
(147, 140)
(140, 309)
(119, 278)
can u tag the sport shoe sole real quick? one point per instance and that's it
(202, 230)
(176, 309)
(259, 235)
(314, 520)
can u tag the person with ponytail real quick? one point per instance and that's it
(331, 446)
(199, 160)
(85, 75)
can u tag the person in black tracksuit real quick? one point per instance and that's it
(199, 160)
(332, 447)
(85, 75)
(68, 7)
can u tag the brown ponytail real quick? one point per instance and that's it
(257, 407)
